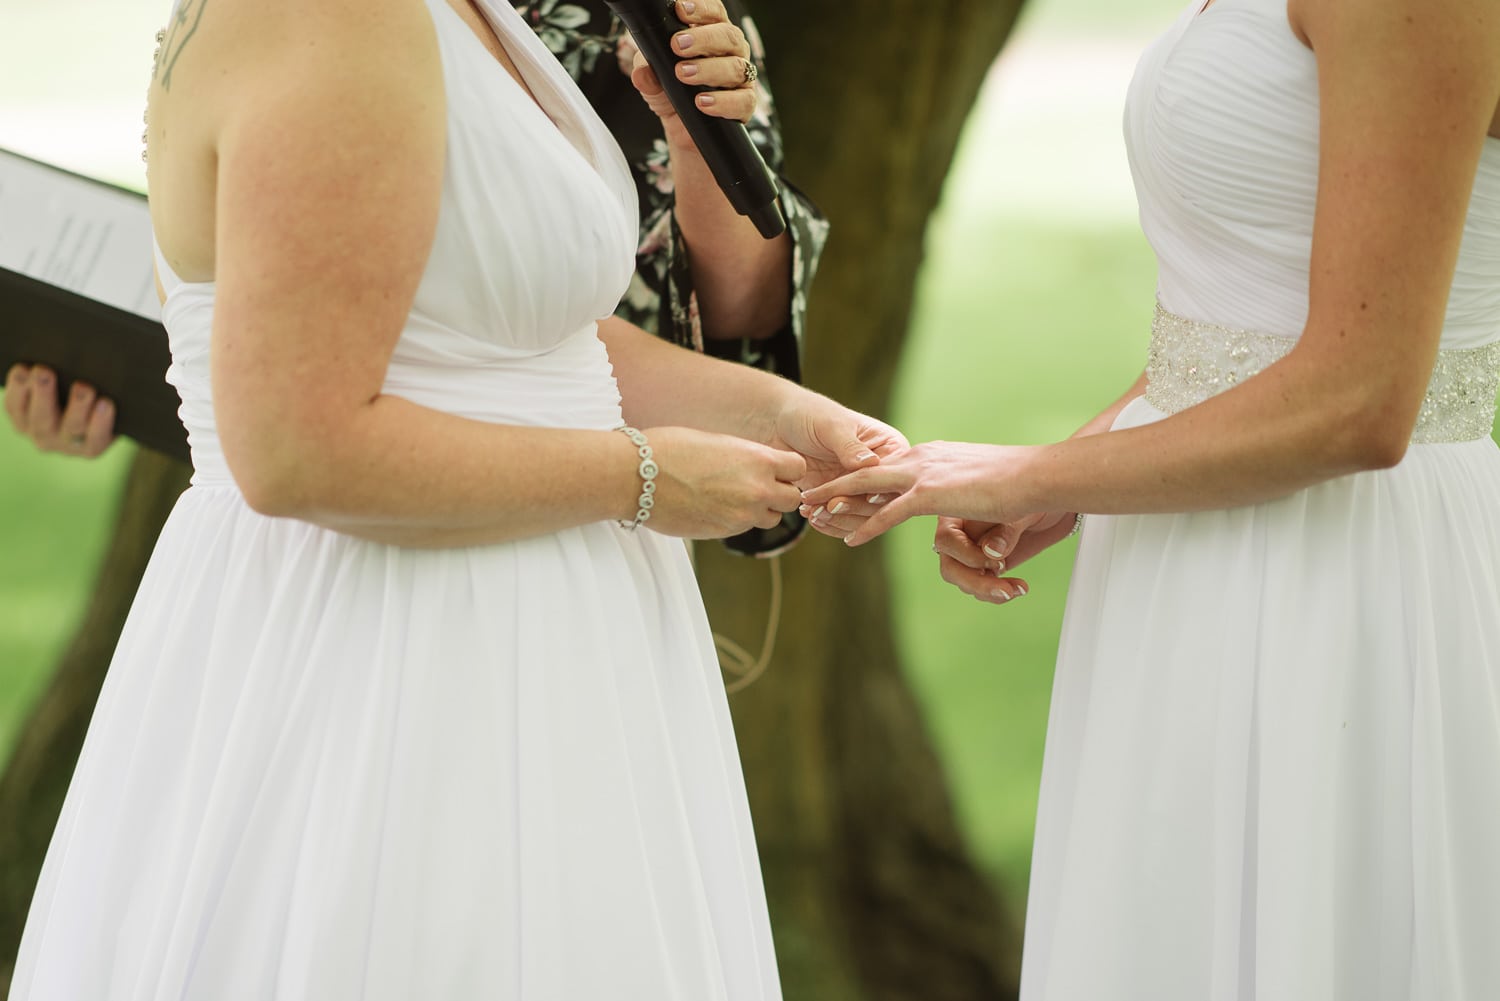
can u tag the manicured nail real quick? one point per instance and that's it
(992, 552)
(21, 376)
(865, 456)
(1000, 593)
(687, 5)
(804, 510)
(684, 41)
(105, 409)
(687, 69)
(877, 498)
(999, 567)
(43, 379)
(1021, 591)
(705, 100)
(839, 508)
(847, 538)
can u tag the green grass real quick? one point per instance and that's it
(56, 513)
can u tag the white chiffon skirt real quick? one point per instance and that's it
(324, 769)
(1273, 760)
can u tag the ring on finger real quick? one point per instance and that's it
(752, 72)
(76, 440)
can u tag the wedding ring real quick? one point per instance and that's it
(752, 73)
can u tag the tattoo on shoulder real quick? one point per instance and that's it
(179, 32)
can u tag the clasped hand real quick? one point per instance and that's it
(983, 531)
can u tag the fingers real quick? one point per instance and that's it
(18, 396)
(981, 585)
(716, 56)
(880, 480)
(841, 517)
(41, 412)
(954, 541)
(789, 468)
(692, 12)
(84, 427)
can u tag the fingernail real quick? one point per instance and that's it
(999, 566)
(1000, 593)
(847, 538)
(22, 377)
(866, 454)
(992, 552)
(877, 498)
(43, 379)
(705, 100)
(106, 408)
(687, 69)
(804, 510)
(684, 41)
(839, 508)
(687, 5)
(817, 512)
(76, 393)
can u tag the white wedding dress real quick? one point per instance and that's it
(1273, 760)
(324, 769)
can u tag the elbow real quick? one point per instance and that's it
(271, 471)
(1376, 436)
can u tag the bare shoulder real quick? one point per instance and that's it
(1448, 49)
(307, 76)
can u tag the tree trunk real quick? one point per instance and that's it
(873, 893)
(36, 777)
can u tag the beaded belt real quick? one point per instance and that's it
(1190, 361)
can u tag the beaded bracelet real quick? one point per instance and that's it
(1077, 524)
(648, 469)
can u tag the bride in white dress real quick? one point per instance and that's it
(402, 709)
(1273, 759)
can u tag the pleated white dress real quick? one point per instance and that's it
(1273, 760)
(324, 769)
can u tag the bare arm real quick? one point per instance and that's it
(1408, 89)
(329, 166)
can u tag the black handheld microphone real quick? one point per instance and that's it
(726, 147)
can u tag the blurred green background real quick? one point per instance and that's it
(1033, 313)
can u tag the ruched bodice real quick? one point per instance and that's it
(1221, 125)
(503, 326)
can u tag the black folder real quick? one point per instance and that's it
(122, 353)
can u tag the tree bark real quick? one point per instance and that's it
(873, 893)
(36, 778)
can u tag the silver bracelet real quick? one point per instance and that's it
(648, 470)
(1077, 524)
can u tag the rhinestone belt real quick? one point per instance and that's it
(1189, 361)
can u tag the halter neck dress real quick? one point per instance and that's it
(1273, 760)
(324, 768)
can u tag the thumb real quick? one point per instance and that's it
(855, 454)
(998, 542)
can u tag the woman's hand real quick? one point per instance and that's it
(85, 427)
(972, 555)
(711, 486)
(832, 438)
(712, 53)
(958, 479)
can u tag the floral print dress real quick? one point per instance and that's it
(596, 50)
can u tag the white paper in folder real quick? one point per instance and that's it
(76, 233)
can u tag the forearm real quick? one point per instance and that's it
(400, 473)
(743, 281)
(661, 383)
(1285, 430)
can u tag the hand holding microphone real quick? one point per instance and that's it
(695, 70)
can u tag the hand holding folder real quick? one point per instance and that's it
(77, 295)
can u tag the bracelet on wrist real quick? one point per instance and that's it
(1077, 524)
(647, 470)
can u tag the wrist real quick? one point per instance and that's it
(644, 478)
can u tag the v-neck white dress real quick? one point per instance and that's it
(1273, 760)
(324, 769)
